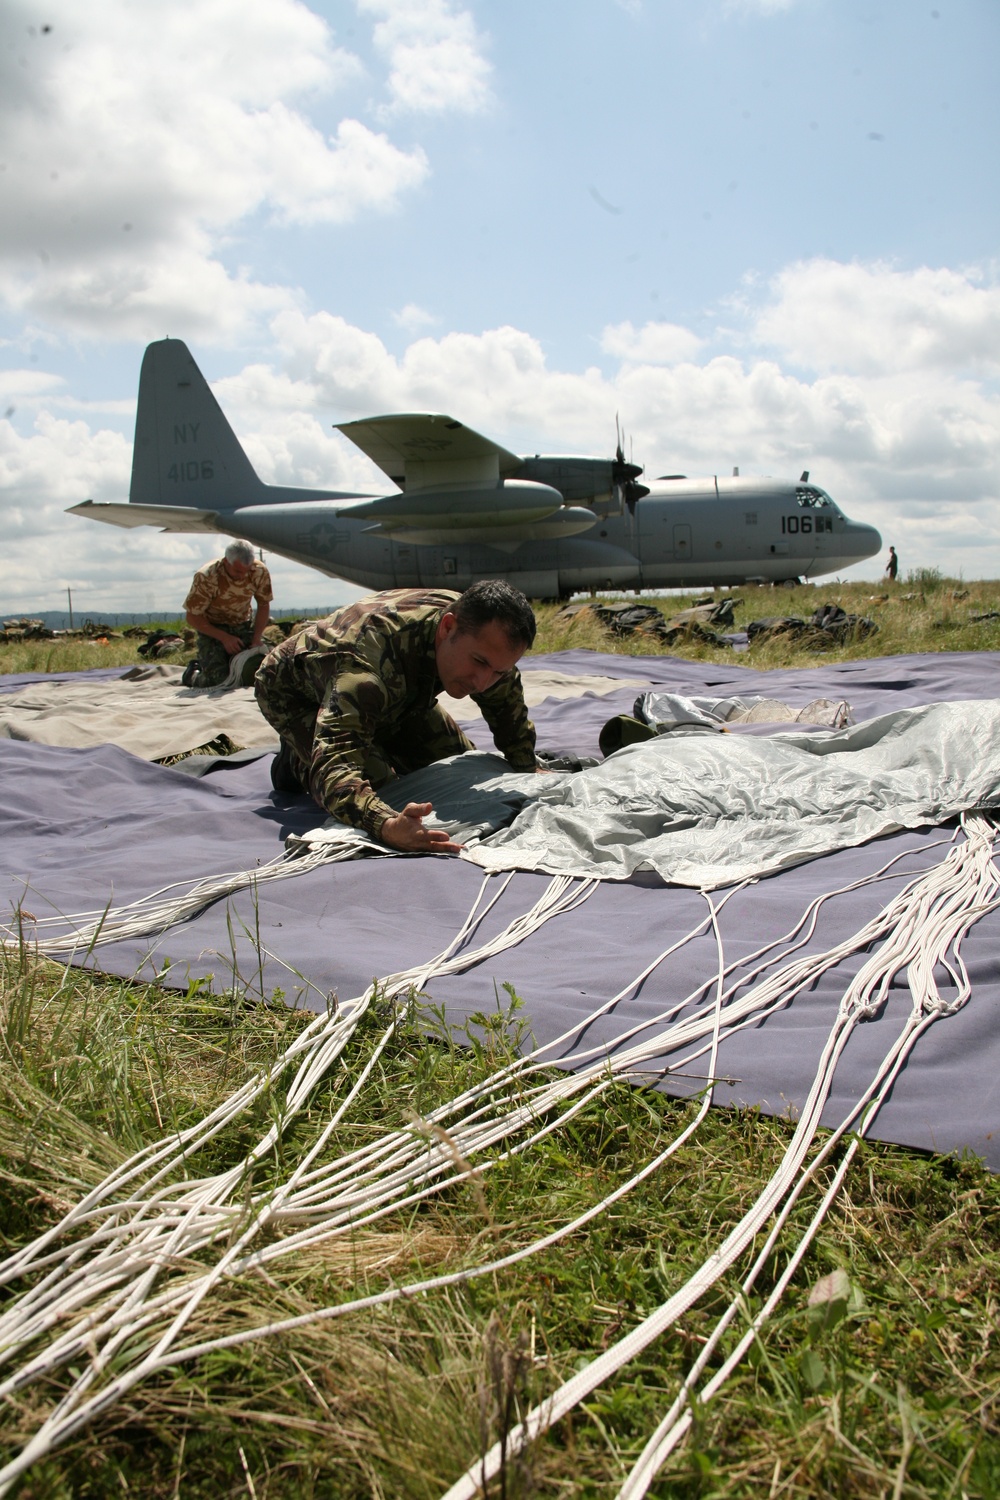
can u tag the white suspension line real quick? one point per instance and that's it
(156, 912)
(282, 1200)
(927, 1005)
(560, 894)
(677, 1422)
(950, 922)
(159, 1358)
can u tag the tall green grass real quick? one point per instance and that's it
(933, 615)
(925, 613)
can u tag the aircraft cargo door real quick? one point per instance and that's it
(682, 543)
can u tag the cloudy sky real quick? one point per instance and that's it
(765, 232)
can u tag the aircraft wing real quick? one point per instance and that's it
(418, 451)
(167, 517)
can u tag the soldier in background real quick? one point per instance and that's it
(354, 699)
(892, 565)
(218, 608)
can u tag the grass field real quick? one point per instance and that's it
(897, 1396)
(924, 613)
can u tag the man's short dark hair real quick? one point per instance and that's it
(495, 599)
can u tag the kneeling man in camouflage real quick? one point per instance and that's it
(354, 699)
(218, 608)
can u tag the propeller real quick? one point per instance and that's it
(624, 476)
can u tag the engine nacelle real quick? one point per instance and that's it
(576, 479)
(443, 513)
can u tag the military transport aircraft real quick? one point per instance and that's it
(465, 508)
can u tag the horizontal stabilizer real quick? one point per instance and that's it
(166, 517)
(418, 450)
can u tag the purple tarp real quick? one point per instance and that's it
(85, 828)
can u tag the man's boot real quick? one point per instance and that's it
(284, 770)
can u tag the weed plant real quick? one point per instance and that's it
(887, 1384)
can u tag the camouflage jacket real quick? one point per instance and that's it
(224, 600)
(367, 668)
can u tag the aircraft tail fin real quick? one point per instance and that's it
(185, 452)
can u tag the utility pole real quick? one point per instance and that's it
(69, 596)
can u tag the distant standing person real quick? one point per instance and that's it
(892, 566)
(218, 607)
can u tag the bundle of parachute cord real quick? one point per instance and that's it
(110, 1290)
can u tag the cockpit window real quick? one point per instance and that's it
(809, 497)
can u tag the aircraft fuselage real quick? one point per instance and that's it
(683, 534)
(466, 508)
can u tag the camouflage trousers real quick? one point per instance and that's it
(213, 658)
(405, 745)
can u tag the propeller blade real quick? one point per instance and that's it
(633, 493)
(624, 475)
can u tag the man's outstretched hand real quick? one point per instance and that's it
(407, 833)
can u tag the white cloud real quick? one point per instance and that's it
(135, 137)
(411, 318)
(110, 570)
(874, 319)
(60, 463)
(349, 369)
(360, 170)
(434, 54)
(178, 289)
(758, 7)
(490, 380)
(287, 431)
(27, 385)
(653, 344)
(915, 452)
(704, 417)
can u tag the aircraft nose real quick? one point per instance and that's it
(865, 541)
